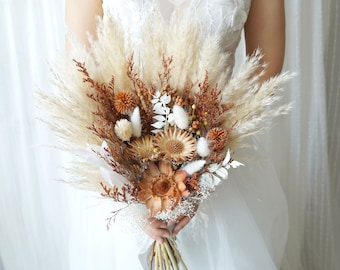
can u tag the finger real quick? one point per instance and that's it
(159, 235)
(173, 222)
(156, 223)
(181, 224)
(156, 229)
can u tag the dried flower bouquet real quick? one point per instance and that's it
(159, 128)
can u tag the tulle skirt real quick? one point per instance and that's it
(243, 225)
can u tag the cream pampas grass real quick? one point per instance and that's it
(255, 103)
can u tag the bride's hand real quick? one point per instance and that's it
(156, 229)
(179, 224)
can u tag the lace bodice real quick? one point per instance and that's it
(225, 18)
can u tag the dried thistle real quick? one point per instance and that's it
(125, 102)
(217, 138)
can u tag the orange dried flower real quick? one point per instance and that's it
(125, 102)
(217, 138)
(162, 188)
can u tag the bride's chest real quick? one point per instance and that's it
(229, 15)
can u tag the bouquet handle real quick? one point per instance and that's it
(165, 256)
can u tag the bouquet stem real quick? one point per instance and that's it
(166, 256)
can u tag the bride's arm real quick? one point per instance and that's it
(80, 17)
(265, 29)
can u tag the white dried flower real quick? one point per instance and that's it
(180, 117)
(218, 172)
(163, 115)
(209, 180)
(123, 129)
(163, 99)
(228, 161)
(193, 166)
(136, 123)
(203, 147)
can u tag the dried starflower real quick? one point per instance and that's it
(142, 148)
(175, 145)
(162, 188)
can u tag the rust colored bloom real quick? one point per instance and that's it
(175, 144)
(161, 187)
(125, 102)
(217, 138)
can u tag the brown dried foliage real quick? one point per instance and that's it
(143, 93)
(123, 163)
(105, 114)
(166, 74)
(209, 106)
(103, 125)
(192, 183)
(103, 94)
(125, 194)
(187, 96)
(215, 157)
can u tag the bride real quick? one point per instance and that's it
(244, 224)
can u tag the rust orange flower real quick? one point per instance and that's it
(161, 187)
(125, 102)
(217, 138)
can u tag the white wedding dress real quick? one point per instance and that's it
(242, 226)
